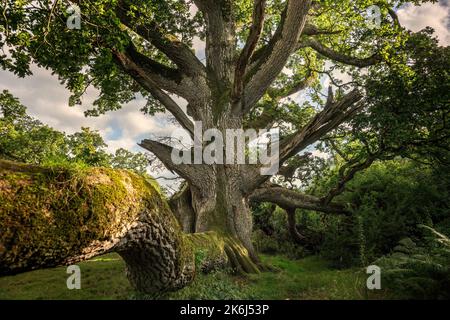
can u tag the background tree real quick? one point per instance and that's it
(25, 139)
(88, 146)
(124, 159)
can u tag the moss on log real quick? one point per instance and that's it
(60, 216)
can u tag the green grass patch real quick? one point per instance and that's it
(308, 278)
(104, 278)
(101, 278)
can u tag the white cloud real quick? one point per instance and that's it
(125, 142)
(436, 16)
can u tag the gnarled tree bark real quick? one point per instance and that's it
(51, 217)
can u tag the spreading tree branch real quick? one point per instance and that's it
(177, 51)
(394, 17)
(250, 45)
(347, 173)
(340, 57)
(330, 118)
(288, 171)
(333, 115)
(164, 77)
(290, 199)
(277, 53)
(147, 81)
(269, 116)
(293, 88)
(194, 174)
(312, 30)
(172, 107)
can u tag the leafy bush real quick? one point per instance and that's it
(418, 270)
(389, 200)
(271, 235)
(341, 243)
(271, 245)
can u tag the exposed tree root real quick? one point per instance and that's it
(239, 257)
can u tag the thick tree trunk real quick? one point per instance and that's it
(51, 217)
(215, 199)
(223, 208)
(220, 208)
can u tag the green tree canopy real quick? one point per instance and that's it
(26, 139)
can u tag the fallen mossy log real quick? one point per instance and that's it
(59, 216)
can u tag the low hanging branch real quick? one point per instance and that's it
(51, 217)
(195, 174)
(291, 199)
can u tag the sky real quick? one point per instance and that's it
(47, 99)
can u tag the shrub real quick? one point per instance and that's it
(271, 245)
(271, 235)
(389, 200)
(418, 270)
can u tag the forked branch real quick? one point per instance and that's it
(250, 45)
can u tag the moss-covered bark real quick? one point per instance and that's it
(51, 217)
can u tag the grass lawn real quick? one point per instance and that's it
(104, 278)
(101, 278)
